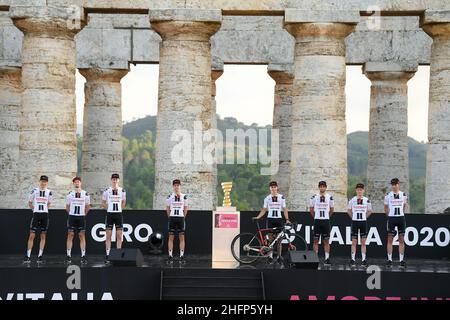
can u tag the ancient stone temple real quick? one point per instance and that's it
(305, 44)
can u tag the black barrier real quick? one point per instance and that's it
(76, 283)
(427, 236)
(138, 226)
(349, 285)
(289, 284)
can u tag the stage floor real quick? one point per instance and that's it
(204, 262)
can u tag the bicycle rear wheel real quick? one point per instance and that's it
(246, 248)
(293, 241)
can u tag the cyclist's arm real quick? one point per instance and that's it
(406, 207)
(124, 199)
(311, 211)
(185, 211)
(286, 214)
(349, 213)
(168, 211)
(261, 213)
(386, 205)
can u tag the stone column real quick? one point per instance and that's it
(47, 122)
(10, 94)
(437, 193)
(388, 128)
(282, 121)
(102, 129)
(319, 136)
(216, 72)
(184, 99)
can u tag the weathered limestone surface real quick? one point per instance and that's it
(105, 41)
(244, 39)
(102, 129)
(437, 189)
(184, 96)
(388, 128)
(254, 39)
(10, 42)
(265, 6)
(282, 120)
(388, 39)
(47, 142)
(319, 137)
(241, 39)
(10, 94)
(210, 120)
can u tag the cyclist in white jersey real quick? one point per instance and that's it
(275, 207)
(177, 210)
(39, 200)
(395, 206)
(114, 201)
(78, 203)
(321, 208)
(359, 209)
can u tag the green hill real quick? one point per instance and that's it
(249, 186)
(357, 144)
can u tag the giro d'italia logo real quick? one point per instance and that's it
(289, 234)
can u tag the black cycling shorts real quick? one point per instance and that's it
(399, 222)
(176, 225)
(114, 218)
(360, 226)
(39, 222)
(322, 228)
(76, 223)
(274, 223)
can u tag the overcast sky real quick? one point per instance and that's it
(246, 93)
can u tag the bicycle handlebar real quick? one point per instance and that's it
(288, 223)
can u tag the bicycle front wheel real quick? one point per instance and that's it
(246, 248)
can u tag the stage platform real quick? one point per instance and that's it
(427, 275)
(204, 262)
(198, 279)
